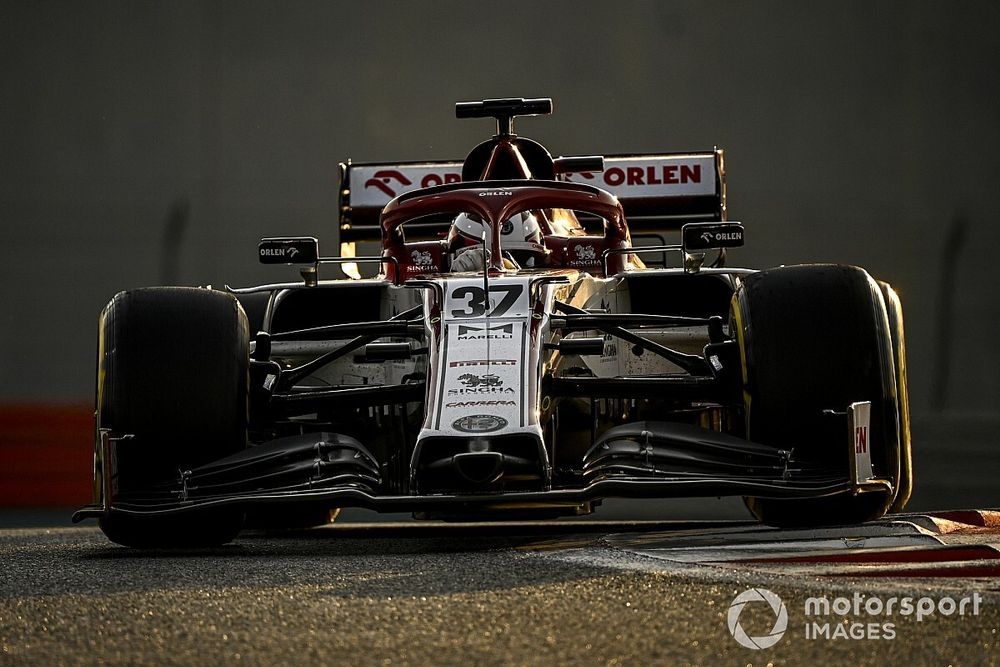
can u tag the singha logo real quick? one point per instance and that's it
(422, 257)
(487, 380)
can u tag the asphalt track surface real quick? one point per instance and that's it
(564, 593)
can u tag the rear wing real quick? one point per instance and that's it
(658, 192)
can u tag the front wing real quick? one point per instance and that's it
(641, 460)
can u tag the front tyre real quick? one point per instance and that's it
(816, 338)
(894, 310)
(172, 372)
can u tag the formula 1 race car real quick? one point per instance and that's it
(515, 354)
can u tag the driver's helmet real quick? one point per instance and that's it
(520, 238)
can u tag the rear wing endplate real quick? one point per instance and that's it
(659, 192)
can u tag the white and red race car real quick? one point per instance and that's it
(533, 342)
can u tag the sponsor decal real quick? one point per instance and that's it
(382, 179)
(496, 193)
(584, 255)
(288, 251)
(483, 362)
(432, 179)
(716, 237)
(655, 176)
(610, 350)
(859, 418)
(422, 261)
(473, 404)
(422, 257)
(488, 383)
(487, 380)
(861, 439)
(650, 174)
(664, 174)
(383, 184)
(501, 332)
(479, 424)
(704, 236)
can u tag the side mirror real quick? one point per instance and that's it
(288, 250)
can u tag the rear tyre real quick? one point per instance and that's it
(172, 372)
(815, 338)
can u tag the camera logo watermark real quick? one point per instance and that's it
(857, 617)
(777, 607)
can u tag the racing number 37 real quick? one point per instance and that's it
(476, 303)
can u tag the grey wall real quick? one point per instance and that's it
(855, 132)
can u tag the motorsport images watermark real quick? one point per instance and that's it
(867, 617)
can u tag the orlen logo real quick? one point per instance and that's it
(381, 179)
(392, 181)
(496, 193)
(710, 237)
(666, 174)
(286, 251)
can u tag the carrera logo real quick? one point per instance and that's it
(472, 404)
